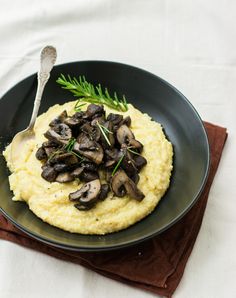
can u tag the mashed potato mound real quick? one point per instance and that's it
(49, 201)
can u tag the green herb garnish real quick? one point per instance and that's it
(69, 148)
(104, 131)
(117, 165)
(86, 92)
(132, 151)
(78, 106)
(70, 144)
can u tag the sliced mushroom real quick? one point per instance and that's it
(93, 152)
(87, 194)
(77, 172)
(124, 134)
(115, 118)
(126, 121)
(122, 184)
(66, 158)
(47, 144)
(93, 132)
(90, 166)
(140, 161)
(60, 134)
(83, 207)
(78, 115)
(41, 154)
(114, 154)
(104, 191)
(49, 173)
(94, 110)
(61, 167)
(109, 163)
(50, 150)
(97, 120)
(88, 176)
(64, 177)
(72, 121)
(135, 145)
(58, 119)
(135, 178)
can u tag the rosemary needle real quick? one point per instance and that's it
(103, 131)
(117, 165)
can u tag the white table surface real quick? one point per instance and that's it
(192, 44)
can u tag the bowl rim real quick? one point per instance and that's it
(147, 236)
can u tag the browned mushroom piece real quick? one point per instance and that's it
(90, 166)
(66, 158)
(77, 172)
(134, 144)
(93, 132)
(87, 176)
(49, 173)
(140, 161)
(124, 134)
(94, 110)
(83, 207)
(61, 167)
(128, 163)
(104, 191)
(109, 163)
(60, 134)
(41, 154)
(135, 178)
(58, 119)
(126, 121)
(73, 121)
(121, 184)
(90, 149)
(88, 194)
(115, 118)
(64, 177)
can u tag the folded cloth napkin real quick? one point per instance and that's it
(156, 265)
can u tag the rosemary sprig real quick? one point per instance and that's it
(117, 165)
(132, 151)
(69, 148)
(70, 144)
(104, 130)
(86, 92)
(55, 153)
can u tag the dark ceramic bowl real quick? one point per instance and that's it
(151, 95)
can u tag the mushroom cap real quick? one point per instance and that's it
(41, 154)
(49, 173)
(58, 119)
(87, 194)
(124, 134)
(90, 149)
(94, 110)
(60, 133)
(64, 177)
(122, 184)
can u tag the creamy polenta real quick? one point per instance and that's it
(49, 201)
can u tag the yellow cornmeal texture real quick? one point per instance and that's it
(50, 202)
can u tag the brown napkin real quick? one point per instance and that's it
(156, 265)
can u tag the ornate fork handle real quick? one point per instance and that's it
(47, 60)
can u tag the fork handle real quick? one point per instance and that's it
(47, 60)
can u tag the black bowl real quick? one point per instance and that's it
(151, 95)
